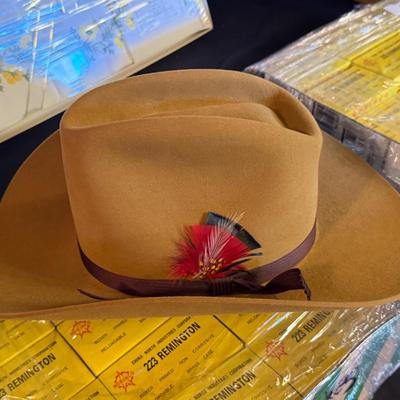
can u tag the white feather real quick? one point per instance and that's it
(220, 235)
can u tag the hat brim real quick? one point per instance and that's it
(354, 263)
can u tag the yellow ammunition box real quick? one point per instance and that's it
(94, 391)
(48, 369)
(176, 354)
(101, 342)
(383, 59)
(243, 376)
(250, 326)
(354, 91)
(16, 336)
(312, 346)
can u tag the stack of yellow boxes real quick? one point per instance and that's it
(368, 90)
(362, 85)
(255, 356)
(348, 75)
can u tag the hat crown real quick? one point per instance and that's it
(146, 156)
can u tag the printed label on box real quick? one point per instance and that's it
(354, 91)
(249, 326)
(102, 342)
(176, 354)
(16, 336)
(363, 43)
(49, 369)
(322, 70)
(383, 59)
(243, 376)
(94, 391)
(309, 349)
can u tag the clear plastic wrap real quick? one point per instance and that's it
(249, 356)
(376, 359)
(348, 75)
(54, 50)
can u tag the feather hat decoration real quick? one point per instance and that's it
(216, 249)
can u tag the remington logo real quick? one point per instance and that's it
(182, 337)
(236, 385)
(28, 373)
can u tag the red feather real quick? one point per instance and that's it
(209, 252)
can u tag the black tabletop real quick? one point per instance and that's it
(244, 32)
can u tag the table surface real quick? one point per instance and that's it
(244, 32)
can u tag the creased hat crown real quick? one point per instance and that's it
(146, 156)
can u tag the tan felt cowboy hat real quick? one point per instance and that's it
(92, 225)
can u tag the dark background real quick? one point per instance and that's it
(244, 32)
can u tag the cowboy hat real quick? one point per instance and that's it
(115, 214)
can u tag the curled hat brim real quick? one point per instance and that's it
(354, 263)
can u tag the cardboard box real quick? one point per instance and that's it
(94, 391)
(354, 91)
(250, 326)
(383, 59)
(47, 370)
(101, 342)
(244, 376)
(312, 345)
(16, 336)
(384, 118)
(171, 358)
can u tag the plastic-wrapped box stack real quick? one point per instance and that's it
(255, 356)
(51, 51)
(366, 368)
(348, 75)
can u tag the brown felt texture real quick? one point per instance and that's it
(147, 155)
